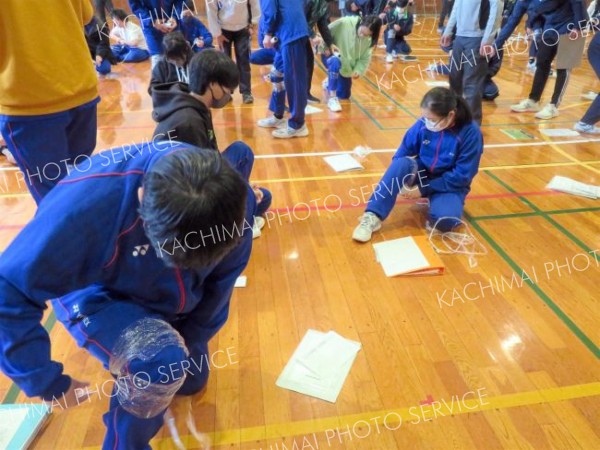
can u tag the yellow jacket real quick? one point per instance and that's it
(45, 63)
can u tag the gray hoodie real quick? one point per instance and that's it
(465, 15)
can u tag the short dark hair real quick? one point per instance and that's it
(373, 23)
(175, 45)
(212, 66)
(119, 14)
(191, 196)
(441, 101)
(402, 3)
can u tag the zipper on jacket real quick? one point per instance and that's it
(437, 151)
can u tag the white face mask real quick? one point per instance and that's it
(435, 126)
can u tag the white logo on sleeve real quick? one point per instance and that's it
(141, 250)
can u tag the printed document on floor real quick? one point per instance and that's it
(320, 365)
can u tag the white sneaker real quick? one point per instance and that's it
(259, 224)
(369, 223)
(334, 104)
(389, 58)
(531, 67)
(526, 106)
(288, 132)
(272, 122)
(583, 127)
(548, 112)
(591, 95)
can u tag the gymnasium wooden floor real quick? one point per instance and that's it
(531, 350)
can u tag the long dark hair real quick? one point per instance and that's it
(373, 23)
(441, 101)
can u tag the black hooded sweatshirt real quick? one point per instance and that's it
(182, 117)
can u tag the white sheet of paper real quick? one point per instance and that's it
(304, 372)
(312, 110)
(332, 352)
(569, 186)
(241, 281)
(343, 163)
(437, 83)
(400, 256)
(19, 424)
(559, 132)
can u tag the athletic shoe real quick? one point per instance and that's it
(312, 99)
(591, 95)
(334, 104)
(548, 112)
(389, 58)
(583, 127)
(259, 223)
(369, 223)
(526, 105)
(531, 67)
(288, 132)
(408, 58)
(272, 122)
(247, 99)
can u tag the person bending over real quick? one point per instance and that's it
(159, 234)
(437, 159)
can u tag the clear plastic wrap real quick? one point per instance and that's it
(142, 389)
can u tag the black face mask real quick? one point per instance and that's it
(221, 102)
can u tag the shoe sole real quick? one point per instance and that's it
(302, 134)
(281, 125)
(524, 110)
(537, 116)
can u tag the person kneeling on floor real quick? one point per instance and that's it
(437, 159)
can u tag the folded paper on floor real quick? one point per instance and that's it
(569, 186)
(320, 365)
(408, 256)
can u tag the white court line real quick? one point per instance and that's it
(392, 150)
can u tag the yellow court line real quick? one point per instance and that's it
(585, 164)
(310, 428)
(376, 174)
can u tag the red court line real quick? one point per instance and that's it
(409, 202)
(401, 201)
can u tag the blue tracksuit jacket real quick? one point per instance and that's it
(519, 10)
(560, 15)
(284, 19)
(149, 10)
(450, 158)
(87, 239)
(192, 29)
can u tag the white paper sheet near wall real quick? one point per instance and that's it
(320, 365)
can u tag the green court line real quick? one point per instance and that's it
(539, 292)
(559, 313)
(13, 390)
(541, 213)
(534, 213)
(368, 114)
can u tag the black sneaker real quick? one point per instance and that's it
(312, 99)
(247, 99)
